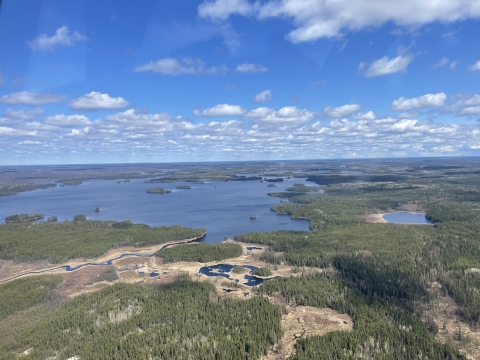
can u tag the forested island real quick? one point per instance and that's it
(263, 272)
(158, 191)
(183, 187)
(274, 180)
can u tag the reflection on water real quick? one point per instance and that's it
(403, 217)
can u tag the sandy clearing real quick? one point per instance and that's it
(304, 321)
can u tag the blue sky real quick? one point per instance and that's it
(157, 81)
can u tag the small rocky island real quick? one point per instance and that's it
(97, 209)
(184, 187)
(22, 218)
(158, 191)
(274, 180)
(253, 217)
(272, 185)
(52, 219)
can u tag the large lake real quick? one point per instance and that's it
(223, 208)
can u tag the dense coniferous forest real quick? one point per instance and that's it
(183, 321)
(202, 252)
(14, 189)
(58, 242)
(23, 293)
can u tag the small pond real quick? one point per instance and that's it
(404, 217)
(223, 270)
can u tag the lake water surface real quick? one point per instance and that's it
(222, 208)
(403, 217)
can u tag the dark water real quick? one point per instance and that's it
(403, 217)
(223, 208)
(223, 270)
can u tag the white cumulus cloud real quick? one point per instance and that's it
(67, 120)
(473, 110)
(221, 110)
(134, 120)
(264, 96)
(475, 67)
(62, 37)
(369, 115)
(30, 98)
(222, 9)
(22, 114)
(250, 68)
(340, 111)
(385, 65)
(97, 101)
(183, 66)
(286, 116)
(421, 102)
(315, 19)
(440, 63)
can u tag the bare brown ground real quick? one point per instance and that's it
(304, 321)
(374, 218)
(442, 309)
(74, 283)
(10, 268)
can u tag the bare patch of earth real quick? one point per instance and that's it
(10, 268)
(374, 218)
(304, 321)
(441, 310)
